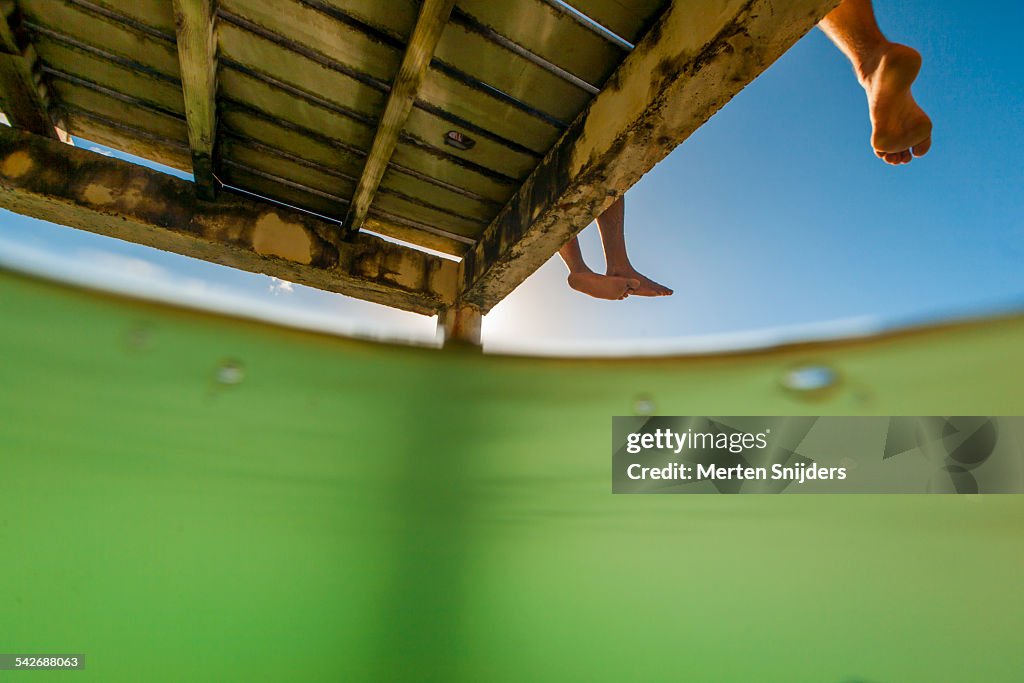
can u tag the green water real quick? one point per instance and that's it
(339, 511)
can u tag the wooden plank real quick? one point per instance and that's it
(296, 106)
(440, 92)
(428, 213)
(79, 64)
(247, 57)
(319, 34)
(291, 167)
(45, 36)
(510, 73)
(342, 42)
(430, 24)
(626, 18)
(326, 150)
(345, 42)
(22, 95)
(47, 180)
(317, 149)
(257, 156)
(268, 184)
(252, 124)
(688, 66)
(429, 163)
(161, 124)
(328, 183)
(395, 18)
(400, 229)
(114, 129)
(398, 179)
(551, 34)
(315, 113)
(157, 15)
(327, 204)
(197, 55)
(116, 135)
(62, 17)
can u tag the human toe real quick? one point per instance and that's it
(921, 148)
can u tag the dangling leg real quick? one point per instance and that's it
(611, 223)
(583, 279)
(900, 128)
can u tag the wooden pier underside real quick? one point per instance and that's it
(491, 132)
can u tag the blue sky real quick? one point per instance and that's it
(775, 214)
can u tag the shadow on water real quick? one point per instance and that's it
(429, 536)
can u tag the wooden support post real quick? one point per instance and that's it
(694, 59)
(23, 96)
(197, 55)
(429, 25)
(44, 179)
(460, 325)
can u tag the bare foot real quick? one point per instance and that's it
(900, 128)
(603, 286)
(647, 286)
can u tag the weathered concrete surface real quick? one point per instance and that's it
(694, 59)
(461, 325)
(48, 180)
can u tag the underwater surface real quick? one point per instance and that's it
(187, 497)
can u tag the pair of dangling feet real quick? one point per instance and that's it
(616, 284)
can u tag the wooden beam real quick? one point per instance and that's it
(23, 97)
(430, 24)
(197, 55)
(44, 179)
(694, 59)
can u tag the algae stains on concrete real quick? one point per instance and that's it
(16, 164)
(135, 194)
(97, 194)
(461, 323)
(45, 179)
(443, 276)
(274, 236)
(125, 194)
(671, 53)
(397, 268)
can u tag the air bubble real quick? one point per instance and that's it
(808, 379)
(644, 405)
(230, 372)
